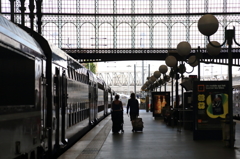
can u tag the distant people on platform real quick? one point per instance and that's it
(117, 115)
(133, 105)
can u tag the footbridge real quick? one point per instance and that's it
(103, 55)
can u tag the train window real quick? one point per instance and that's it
(86, 79)
(78, 76)
(69, 73)
(17, 79)
(82, 78)
(73, 73)
(69, 115)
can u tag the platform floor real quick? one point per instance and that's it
(157, 141)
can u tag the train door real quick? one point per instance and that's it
(64, 107)
(95, 102)
(91, 105)
(56, 107)
(43, 103)
(105, 102)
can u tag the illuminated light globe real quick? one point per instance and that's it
(163, 69)
(171, 61)
(208, 24)
(192, 61)
(183, 48)
(157, 74)
(213, 51)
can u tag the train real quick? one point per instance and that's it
(48, 99)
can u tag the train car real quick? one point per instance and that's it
(21, 72)
(48, 99)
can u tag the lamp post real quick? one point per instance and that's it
(172, 62)
(183, 49)
(153, 79)
(208, 25)
(157, 74)
(163, 69)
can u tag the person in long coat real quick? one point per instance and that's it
(133, 105)
(117, 115)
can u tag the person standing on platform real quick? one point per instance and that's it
(117, 115)
(133, 105)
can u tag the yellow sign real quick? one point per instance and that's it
(201, 105)
(201, 97)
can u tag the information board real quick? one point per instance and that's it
(210, 105)
(159, 101)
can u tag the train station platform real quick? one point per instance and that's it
(157, 141)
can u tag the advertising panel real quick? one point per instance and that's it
(160, 100)
(210, 105)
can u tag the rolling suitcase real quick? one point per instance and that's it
(138, 124)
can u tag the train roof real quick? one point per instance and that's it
(59, 55)
(92, 76)
(15, 37)
(100, 81)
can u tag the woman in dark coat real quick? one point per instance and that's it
(133, 105)
(117, 115)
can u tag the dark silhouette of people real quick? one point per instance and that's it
(117, 115)
(133, 105)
